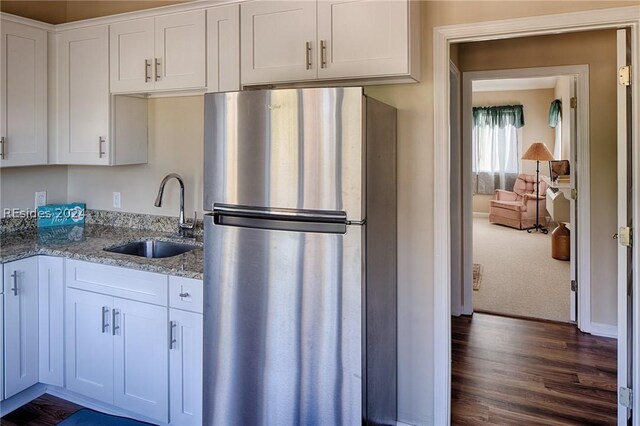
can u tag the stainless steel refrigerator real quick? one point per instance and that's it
(300, 258)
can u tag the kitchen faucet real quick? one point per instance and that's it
(183, 227)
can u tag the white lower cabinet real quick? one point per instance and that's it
(185, 368)
(20, 325)
(51, 320)
(141, 358)
(89, 344)
(117, 349)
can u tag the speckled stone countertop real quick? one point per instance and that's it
(87, 243)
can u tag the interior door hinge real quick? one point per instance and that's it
(574, 194)
(574, 285)
(573, 102)
(624, 76)
(625, 236)
(625, 397)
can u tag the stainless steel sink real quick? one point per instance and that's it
(152, 248)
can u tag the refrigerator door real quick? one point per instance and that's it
(291, 148)
(282, 326)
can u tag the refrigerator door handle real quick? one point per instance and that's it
(280, 213)
(278, 224)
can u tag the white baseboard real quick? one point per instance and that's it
(604, 330)
(403, 424)
(480, 214)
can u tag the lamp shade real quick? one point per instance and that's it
(538, 151)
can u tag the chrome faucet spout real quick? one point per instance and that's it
(182, 225)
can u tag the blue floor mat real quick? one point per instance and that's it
(87, 417)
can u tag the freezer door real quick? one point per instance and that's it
(292, 148)
(282, 326)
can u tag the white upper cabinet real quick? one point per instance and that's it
(362, 38)
(23, 95)
(94, 127)
(223, 48)
(132, 54)
(330, 40)
(162, 53)
(278, 41)
(83, 96)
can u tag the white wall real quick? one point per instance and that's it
(176, 142)
(18, 186)
(415, 194)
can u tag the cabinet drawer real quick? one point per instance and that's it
(115, 281)
(191, 291)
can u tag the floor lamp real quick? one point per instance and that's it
(538, 151)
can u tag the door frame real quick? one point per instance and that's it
(481, 31)
(583, 202)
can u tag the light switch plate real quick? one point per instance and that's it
(41, 198)
(116, 200)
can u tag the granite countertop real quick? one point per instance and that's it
(88, 241)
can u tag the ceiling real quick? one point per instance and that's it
(61, 11)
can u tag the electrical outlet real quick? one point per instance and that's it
(41, 198)
(116, 200)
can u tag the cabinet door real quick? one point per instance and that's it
(185, 367)
(89, 344)
(141, 358)
(275, 36)
(131, 47)
(223, 48)
(21, 325)
(23, 95)
(51, 320)
(83, 96)
(363, 38)
(180, 59)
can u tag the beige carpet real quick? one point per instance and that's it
(519, 276)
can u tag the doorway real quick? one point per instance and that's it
(520, 275)
(509, 29)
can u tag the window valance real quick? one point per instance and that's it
(499, 116)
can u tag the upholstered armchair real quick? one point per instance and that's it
(517, 208)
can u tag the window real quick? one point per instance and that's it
(496, 147)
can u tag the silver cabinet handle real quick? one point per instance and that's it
(2, 143)
(323, 53)
(101, 140)
(308, 53)
(147, 70)
(172, 337)
(105, 315)
(15, 283)
(158, 69)
(114, 324)
(184, 295)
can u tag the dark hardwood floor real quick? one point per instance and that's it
(509, 371)
(46, 410)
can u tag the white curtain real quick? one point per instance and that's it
(557, 148)
(495, 157)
